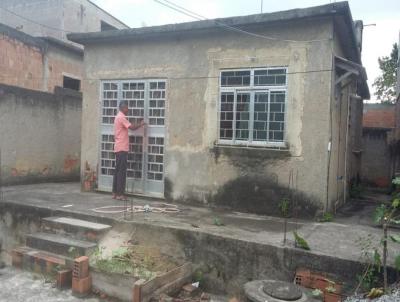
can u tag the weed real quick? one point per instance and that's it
(326, 217)
(218, 221)
(300, 241)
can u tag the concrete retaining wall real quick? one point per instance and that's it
(39, 135)
(221, 264)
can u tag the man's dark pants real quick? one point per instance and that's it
(119, 180)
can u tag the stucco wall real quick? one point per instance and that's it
(39, 135)
(38, 66)
(196, 170)
(376, 158)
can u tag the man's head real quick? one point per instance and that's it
(123, 107)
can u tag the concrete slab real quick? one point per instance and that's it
(77, 223)
(61, 245)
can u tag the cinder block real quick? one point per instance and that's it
(64, 279)
(81, 287)
(81, 267)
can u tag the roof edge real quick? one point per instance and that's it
(338, 8)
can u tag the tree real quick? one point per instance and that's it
(385, 85)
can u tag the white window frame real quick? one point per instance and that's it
(252, 89)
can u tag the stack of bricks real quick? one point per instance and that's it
(81, 280)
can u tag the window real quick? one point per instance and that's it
(252, 106)
(71, 83)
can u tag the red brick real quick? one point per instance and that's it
(82, 287)
(17, 257)
(81, 267)
(64, 279)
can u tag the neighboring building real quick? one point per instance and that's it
(379, 152)
(38, 63)
(233, 118)
(56, 18)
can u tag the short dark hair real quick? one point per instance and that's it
(123, 104)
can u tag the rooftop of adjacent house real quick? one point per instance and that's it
(340, 11)
(38, 42)
(380, 116)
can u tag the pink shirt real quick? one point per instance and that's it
(121, 137)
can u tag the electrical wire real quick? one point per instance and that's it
(172, 78)
(199, 17)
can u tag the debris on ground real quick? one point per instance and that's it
(189, 293)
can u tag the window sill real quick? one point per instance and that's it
(261, 152)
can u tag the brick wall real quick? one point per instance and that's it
(37, 66)
(21, 64)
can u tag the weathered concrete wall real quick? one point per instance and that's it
(59, 16)
(376, 158)
(196, 169)
(39, 135)
(33, 63)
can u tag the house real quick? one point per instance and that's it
(241, 111)
(56, 18)
(379, 152)
(38, 63)
(40, 83)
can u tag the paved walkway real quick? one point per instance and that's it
(336, 239)
(18, 286)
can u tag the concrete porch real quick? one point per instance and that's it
(245, 247)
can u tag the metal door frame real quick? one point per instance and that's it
(143, 186)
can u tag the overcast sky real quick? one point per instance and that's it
(377, 41)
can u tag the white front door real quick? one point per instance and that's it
(146, 100)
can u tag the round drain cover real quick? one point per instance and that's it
(282, 290)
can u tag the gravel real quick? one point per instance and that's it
(19, 286)
(393, 297)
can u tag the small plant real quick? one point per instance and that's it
(218, 221)
(300, 242)
(284, 207)
(326, 217)
(370, 255)
(386, 215)
(317, 293)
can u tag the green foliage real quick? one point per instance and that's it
(198, 275)
(395, 238)
(397, 262)
(326, 217)
(385, 85)
(300, 242)
(396, 181)
(284, 207)
(380, 213)
(218, 221)
(370, 279)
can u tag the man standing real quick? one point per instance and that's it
(121, 148)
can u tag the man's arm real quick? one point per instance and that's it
(136, 126)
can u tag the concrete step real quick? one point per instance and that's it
(61, 245)
(38, 261)
(77, 228)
